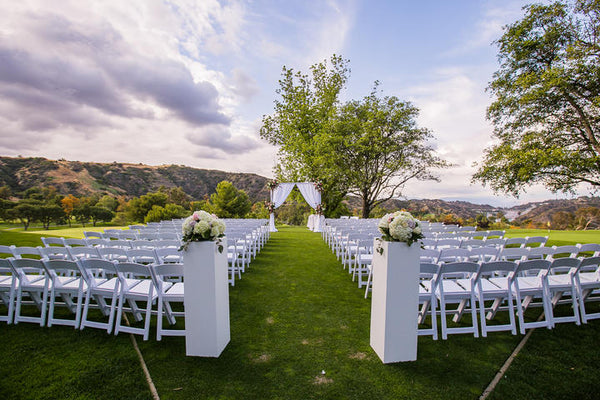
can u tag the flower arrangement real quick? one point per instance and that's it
(400, 226)
(202, 226)
(320, 209)
(318, 185)
(270, 206)
(272, 184)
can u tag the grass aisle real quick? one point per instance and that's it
(296, 313)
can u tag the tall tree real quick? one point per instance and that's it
(307, 106)
(229, 202)
(546, 114)
(378, 147)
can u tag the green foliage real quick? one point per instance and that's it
(306, 110)
(546, 114)
(482, 221)
(293, 213)
(229, 202)
(48, 213)
(169, 211)
(259, 211)
(138, 207)
(108, 202)
(98, 213)
(25, 211)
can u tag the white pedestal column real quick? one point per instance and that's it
(395, 301)
(206, 300)
(272, 223)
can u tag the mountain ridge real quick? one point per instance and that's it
(129, 180)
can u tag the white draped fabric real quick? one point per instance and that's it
(278, 196)
(310, 194)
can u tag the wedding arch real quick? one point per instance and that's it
(311, 191)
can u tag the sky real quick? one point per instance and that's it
(187, 82)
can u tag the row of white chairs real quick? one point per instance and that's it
(362, 266)
(484, 289)
(528, 241)
(97, 242)
(110, 286)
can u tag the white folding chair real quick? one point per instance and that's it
(483, 254)
(528, 283)
(32, 281)
(447, 244)
(561, 282)
(587, 279)
(8, 284)
(492, 283)
(457, 290)
(472, 243)
(427, 298)
(83, 252)
(65, 281)
(515, 242)
(513, 254)
(449, 255)
(99, 290)
(429, 256)
(136, 285)
(494, 242)
(168, 292)
(93, 235)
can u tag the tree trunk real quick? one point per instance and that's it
(366, 208)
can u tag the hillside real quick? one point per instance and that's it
(86, 178)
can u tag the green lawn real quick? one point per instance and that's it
(294, 314)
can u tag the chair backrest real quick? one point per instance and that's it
(540, 253)
(166, 272)
(529, 266)
(483, 254)
(125, 244)
(72, 242)
(92, 235)
(166, 243)
(428, 271)
(430, 256)
(472, 243)
(166, 255)
(148, 236)
(52, 241)
(589, 264)
(142, 244)
(515, 242)
(97, 242)
(83, 252)
(495, 242)
(128, 269)
(167, 236)
(568, 251)
(451, 255)
(536, 240)
(502, 267)
(590, 248)
(58, 267)
(460, 269)
(24, 266)
(447, 243)
(128, 235)
(564, 265)
(55, 253)
(113, 253)
(429, 243)
(91, 267)
(513, 254)
(499, 234)
(19, 252)
(6, 251)
(141, 256)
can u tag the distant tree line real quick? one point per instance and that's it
(46, 206)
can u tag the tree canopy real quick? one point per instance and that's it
(546, 111)
(369, 148)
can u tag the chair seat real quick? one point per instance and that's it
(490, 287)
(108, 285)
(589, 278)
(174, 291)
(563, 280)
(452, 289)
(142, 288)
(529, 283)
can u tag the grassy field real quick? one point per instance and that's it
(294, 314)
